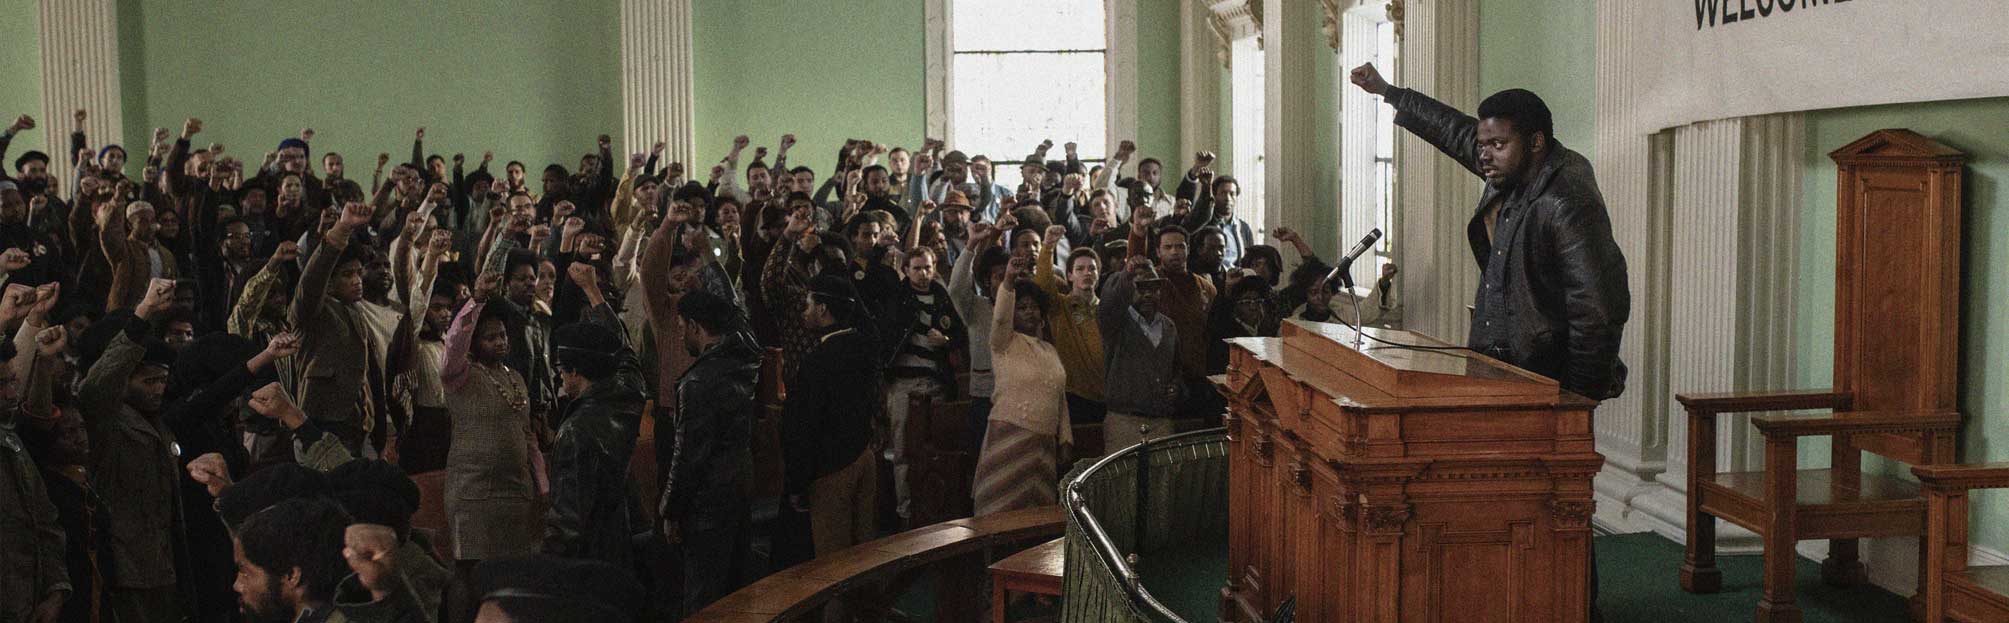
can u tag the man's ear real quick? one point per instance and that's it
(294, 583)
(1538, 141)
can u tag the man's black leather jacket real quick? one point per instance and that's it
(1552, 291)
(711, 440)
(589, 463)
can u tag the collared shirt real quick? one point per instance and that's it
(1154, 329)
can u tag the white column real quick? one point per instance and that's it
(1439, 56)
(657, 103)
(1291, 44)
(80, 71)
(938, 51)
(1732, 253)
(1121, 78)
(1199, 77)
(1631, 429)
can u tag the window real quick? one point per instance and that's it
(1384, 142)
(1246, 102)
(1026, 71)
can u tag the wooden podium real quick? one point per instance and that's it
(1390, 484)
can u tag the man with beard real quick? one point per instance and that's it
(703, 505)
(339, 187)
(127, 239)
(1215, 208)
(222, 249)
(134, 463)
(1185, 300)
(304, 561)
(337, 360)
(31, 171)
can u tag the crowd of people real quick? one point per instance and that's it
(223, 378)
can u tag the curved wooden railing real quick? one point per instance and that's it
(954, 553)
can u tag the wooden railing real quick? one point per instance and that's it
(953, 553)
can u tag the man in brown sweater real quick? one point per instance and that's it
(1185, 300)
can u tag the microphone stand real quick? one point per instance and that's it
(1344, 275)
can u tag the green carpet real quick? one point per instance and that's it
(1638, 574)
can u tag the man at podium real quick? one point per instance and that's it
(1552, 292)
(1552, 289)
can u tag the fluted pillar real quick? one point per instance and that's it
(657, 103)
(1200, 78)
(1440, 57)
(1291, 42)
(80, 71)
(938, 55)
(1733, 251)
(1631, 165)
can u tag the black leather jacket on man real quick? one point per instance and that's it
(1552, 292)
(711, 447)
(589, 463)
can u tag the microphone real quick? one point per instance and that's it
(1340, 270)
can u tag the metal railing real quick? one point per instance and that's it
(1187, 472)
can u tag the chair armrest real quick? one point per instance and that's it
(1849, 423)
(1711, 404)
(1956, 476)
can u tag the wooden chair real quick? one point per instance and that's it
(1036, 571)
(767, 468)
(1953, 591)
(940, 463)
(1896, 376)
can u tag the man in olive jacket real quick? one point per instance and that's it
(1552, 294)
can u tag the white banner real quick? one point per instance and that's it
(1717, 59)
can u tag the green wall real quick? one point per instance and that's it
(826, 71)
(21, 71)
(533, 81)
(1158, 84)
(1549, 47)
(833, 71)
(1973, 126)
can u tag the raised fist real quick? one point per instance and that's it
(356, 214)
(193, 125)
(23, 122)
(1368, 79)
(739, 142)
(584, 275)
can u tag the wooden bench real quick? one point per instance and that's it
(1038, 571)
(954, 552)
(1954, 591)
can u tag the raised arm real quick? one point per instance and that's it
(460, 335)
(1003, 311)
(1443, 127)
(313, 288)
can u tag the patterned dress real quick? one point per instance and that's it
(1018, 466)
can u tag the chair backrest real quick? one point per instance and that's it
(940, 463)
(1897, 282)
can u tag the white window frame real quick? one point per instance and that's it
(1367, 203)
(939, 50)
(1242, 30)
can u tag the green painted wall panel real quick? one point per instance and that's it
(1549, 47)
(1973, 126)
(826, 71)
(1158, 84)
(21, 71)
(534, 81)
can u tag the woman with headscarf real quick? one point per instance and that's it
(1029, 430)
